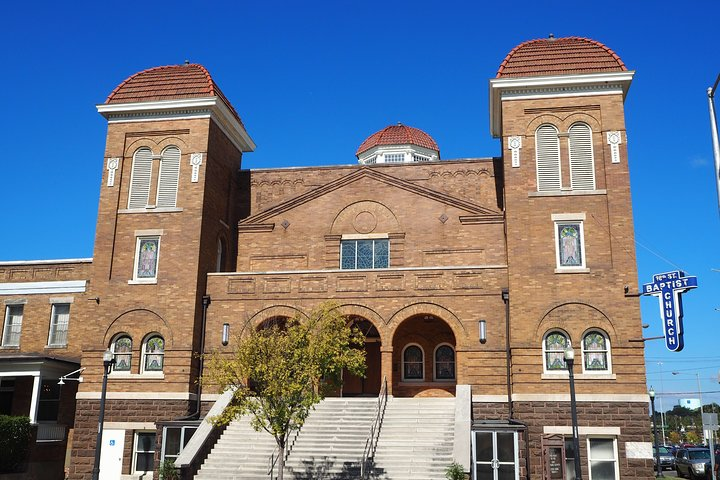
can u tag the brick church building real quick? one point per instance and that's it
(470, 277)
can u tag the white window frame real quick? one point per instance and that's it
(138, 183)
(168, 184)
(581, 162)
(495, 463)
(52, 342)
(394, 157)
(570, 218)
(8, 329)
(590, 458)
(183, 433)
(560, 371)
(435, 362)
(608, 356)
(422, 363)
(542, 186)
(112, 349)
(144, 353)
(360, 239)
(136, 438)
(139, 237)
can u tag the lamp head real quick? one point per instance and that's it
(108, 358)
(482, 331)
(569, 353)
(60, 382)
(651, 392)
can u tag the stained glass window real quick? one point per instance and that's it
(413, 363)
(147, 258)
(555, 345)
(595, 351)
(445, 363)
(569, 237)
(356, 254)
(154, 353)
(122, 348)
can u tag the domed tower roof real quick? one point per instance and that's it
(398, 144)
(559, 56)
(398, 135)
(165, 91)
(170, 82)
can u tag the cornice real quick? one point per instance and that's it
(203, 107)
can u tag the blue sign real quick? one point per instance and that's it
(668, 287)
(112, 443)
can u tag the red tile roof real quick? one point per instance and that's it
(559, 56)
(171, 82)
(398, 135)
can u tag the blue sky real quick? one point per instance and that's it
(312, 80)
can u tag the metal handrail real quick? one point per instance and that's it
(274, 456)
(371, 442)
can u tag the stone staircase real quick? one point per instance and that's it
(415, 442)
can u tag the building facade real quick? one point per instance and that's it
(477, 272)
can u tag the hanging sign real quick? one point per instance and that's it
(668, 287)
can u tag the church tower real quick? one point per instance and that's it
(557, 106)
(167, 210)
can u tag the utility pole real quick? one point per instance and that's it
(715, 141)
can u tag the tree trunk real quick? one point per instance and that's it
(281, 462)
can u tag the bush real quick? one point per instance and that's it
(455, 472)
(15, 436)
(167, 470)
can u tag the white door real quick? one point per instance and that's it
(495, 455)
(111, 454)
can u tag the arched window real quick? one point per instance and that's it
(444, 362)
(168, 177)
(140, 178)
(547, 155)
(121, 348)
(413, 360)
(153, 353)
(554, 345)
(582, 165)
(596, 352)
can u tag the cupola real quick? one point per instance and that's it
(398, 144)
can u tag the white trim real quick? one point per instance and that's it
(129, 425)
(377, 270)
(562, 374)
(608, 353)
(563, 193)
(45, 262)
(615, 458)
(145, 280)
(546, 371)
(364, 236)
(489, 398)
(61, 300)
(567, 430)
(402, 364)
(582, 397)
(150, 210)
(567, 216)
(203, 107)
(148, 233)
(527, 88)
(32, 288)
(135, 448)
(583, 251)
(144, 354)
(138, 396)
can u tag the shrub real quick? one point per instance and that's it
(455, 472)
(167, 470)
(15, 436)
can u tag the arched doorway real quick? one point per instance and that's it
(354, 385)
(424, 358)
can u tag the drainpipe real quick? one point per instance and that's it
(506, 299)
(196, 413)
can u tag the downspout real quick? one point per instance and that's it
(196, 413)
(506, 299)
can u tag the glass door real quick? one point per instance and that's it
(495, 455)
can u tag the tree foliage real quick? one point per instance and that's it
(279, 373)
(15, 437)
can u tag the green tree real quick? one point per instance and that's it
(278, 374)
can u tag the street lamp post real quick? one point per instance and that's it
(108, 362)
(570, 360)
(655, 434)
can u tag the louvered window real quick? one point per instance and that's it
(140, 179)
(547, 148)
(168, 178)
(582, 166)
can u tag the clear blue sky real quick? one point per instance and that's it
(312, 80)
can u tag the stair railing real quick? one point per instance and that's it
(371, 442)
(276, 453)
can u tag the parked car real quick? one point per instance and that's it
(667, 460)
(690, 462)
